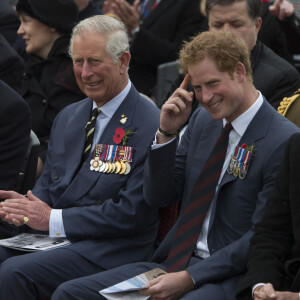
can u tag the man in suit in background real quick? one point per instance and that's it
(272, 75)
(274, 260)
(90, 190)
(205, 252)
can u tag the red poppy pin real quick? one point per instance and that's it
(119, 134)
(122, 136)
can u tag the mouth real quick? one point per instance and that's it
(214, 105)
(91, 85)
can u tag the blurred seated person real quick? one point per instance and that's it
(157, 30)
(11, 65)
(87, 8)
(9, 22)
(15, 124)
(280, 28)
(49, 81)
(289, 21)
(274, 259)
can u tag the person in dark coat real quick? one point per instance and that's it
(11, 65)
(49, 82)
(274, 260)
(15, 124)
(9, 22)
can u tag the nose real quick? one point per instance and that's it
(86, 70)
(206, 95)
(20, 30)
(226, 27)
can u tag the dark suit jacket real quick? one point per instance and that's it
(170, 176)
(15, 124)
(272, 75)
(160, 38)
(275, 247)
(104, 215)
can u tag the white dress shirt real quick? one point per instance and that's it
(56, 226)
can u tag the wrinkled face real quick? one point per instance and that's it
(221, 95)
(97, 75)
(235, 18)
(38, 37)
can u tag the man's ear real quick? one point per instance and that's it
(124, 61)
(240, 71)
(258, 25)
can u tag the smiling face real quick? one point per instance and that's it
(235, 18)
(97, 75)
(222, 95)
(39, 38)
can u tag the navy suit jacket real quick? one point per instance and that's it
(170, 176)
(104, 215)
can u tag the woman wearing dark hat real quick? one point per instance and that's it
(49, 82)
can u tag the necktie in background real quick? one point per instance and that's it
(192, 218)
(90, 130)
(148, 7)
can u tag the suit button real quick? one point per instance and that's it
(44, 101)
(55, 178)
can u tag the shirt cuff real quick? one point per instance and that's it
(56, 225)
(253, 289)
(156, 146)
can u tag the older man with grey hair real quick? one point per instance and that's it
(90, 190)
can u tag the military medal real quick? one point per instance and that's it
(245, 165)
(128, 167)
(118, 167)
(123, 167)
(112, 159)
(96, 163)
(239, 161)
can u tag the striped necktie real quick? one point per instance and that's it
(90, 130)
(192, 218)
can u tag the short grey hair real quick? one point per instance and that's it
(115, 31)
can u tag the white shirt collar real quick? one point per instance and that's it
(112, 105)
(241, 123)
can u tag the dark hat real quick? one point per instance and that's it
(59, 14)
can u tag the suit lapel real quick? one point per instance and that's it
(256, 130)
(75, 138)
(86, 178)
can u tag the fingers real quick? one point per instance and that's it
(9, 194)
(32, 197)
(185, 83)
(265, 292)
(136, 4)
